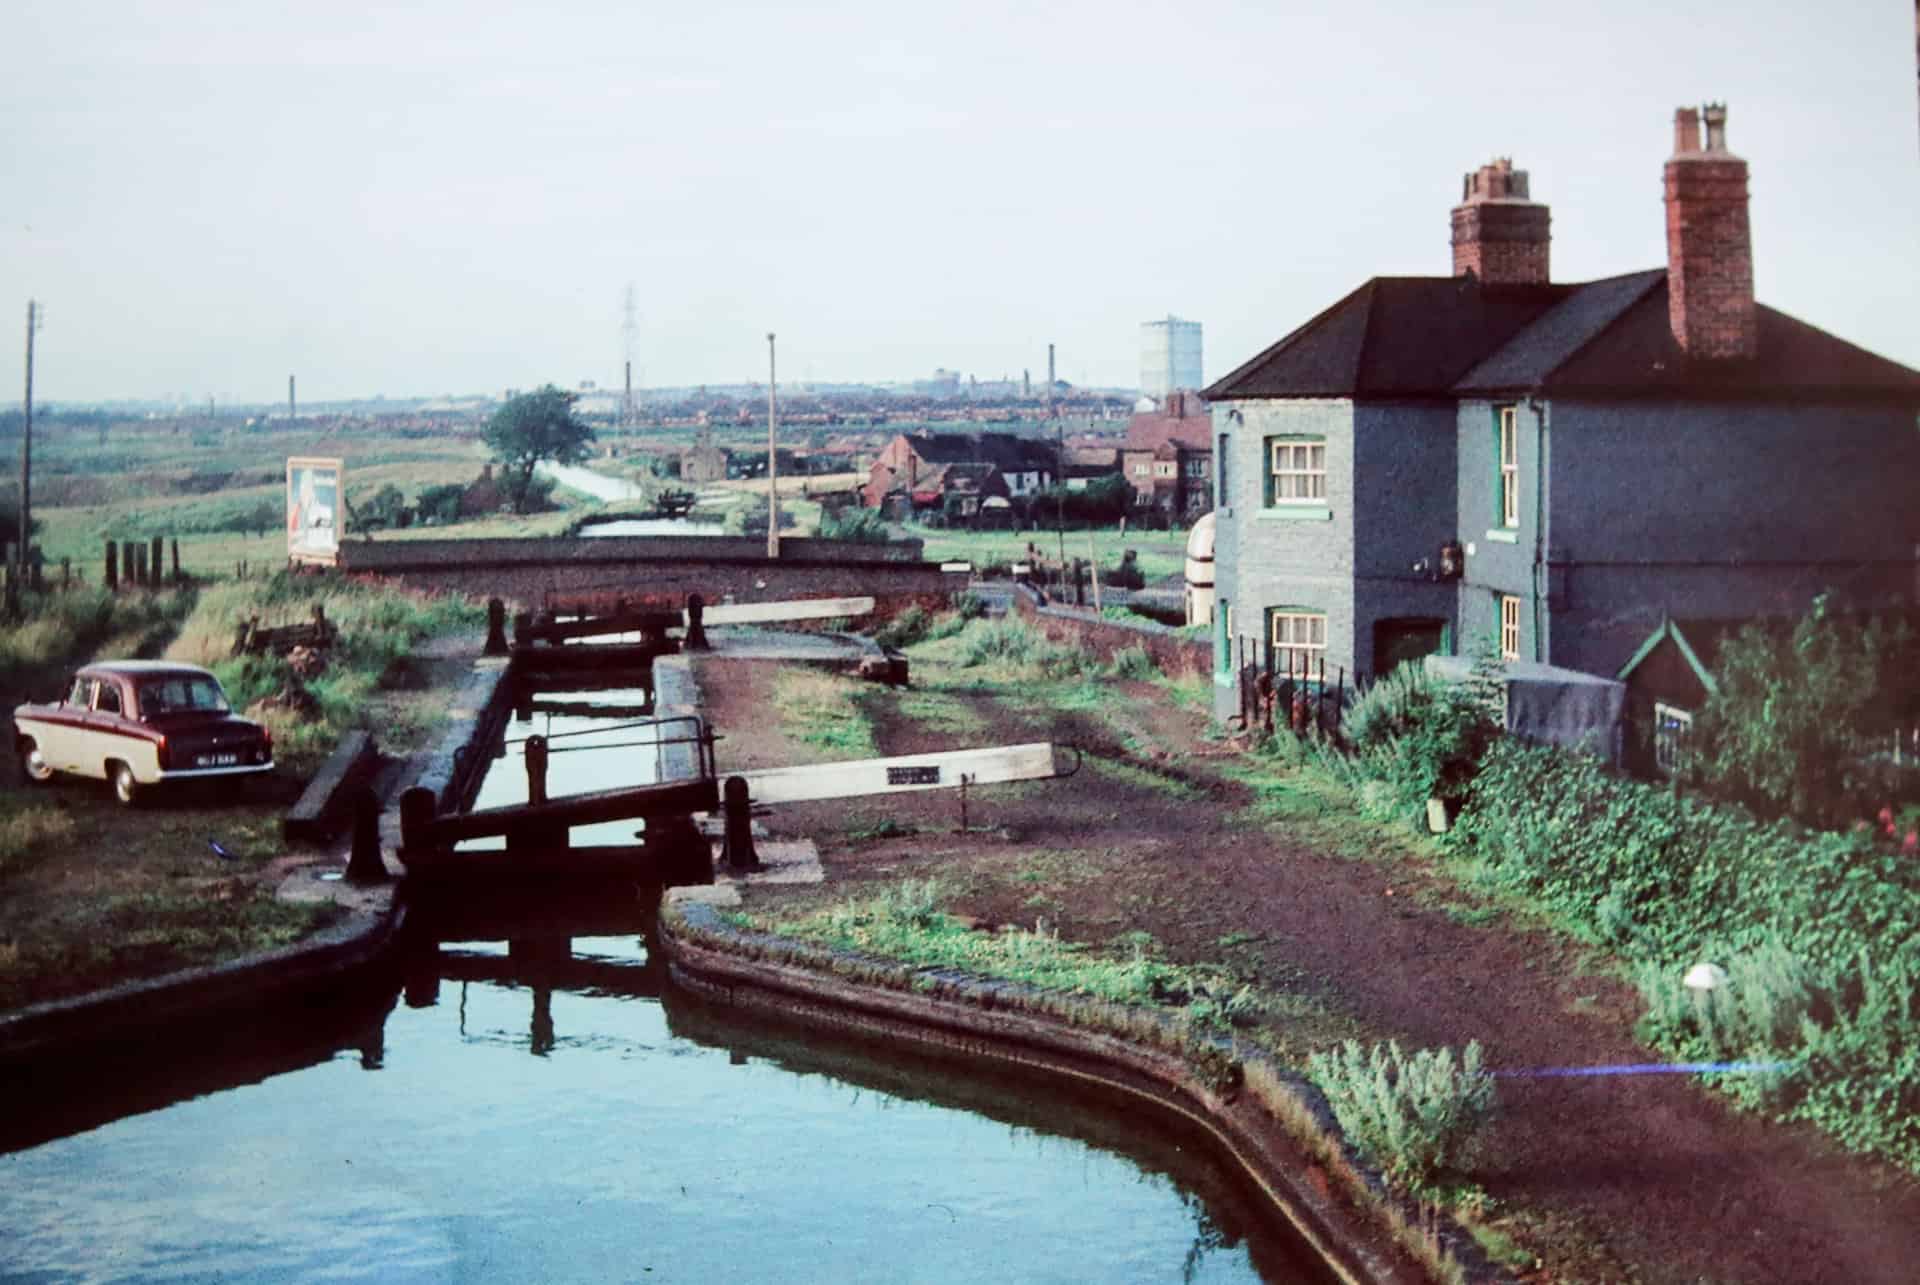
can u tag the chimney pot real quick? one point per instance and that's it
(1686, 131)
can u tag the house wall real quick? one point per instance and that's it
(1499, 561)
(1685, 509)
(1405, 508)
(1268, 556)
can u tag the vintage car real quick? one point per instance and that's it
(139, 723)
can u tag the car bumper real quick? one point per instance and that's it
(201, 773)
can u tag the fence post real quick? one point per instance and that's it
(113, 566)
(176, 559)
(66, 573)
(127, 574)
(159, 561)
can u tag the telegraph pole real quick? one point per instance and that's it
(291, 404)
(1059, 468)
(21, 562)
(773, 461)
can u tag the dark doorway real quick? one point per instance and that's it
(1406, 639)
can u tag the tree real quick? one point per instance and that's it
(1794, 720)
(532, 427)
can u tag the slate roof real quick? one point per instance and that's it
(1008, 453)
(1152, 429)
(1452, 336)
(1393, 337)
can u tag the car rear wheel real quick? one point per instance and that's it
(34, 765)
(125, 788)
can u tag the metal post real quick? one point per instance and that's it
(773, 460)
(364, 864)
(737, 813)
(696, 639)
(496, 644)
(536, 754)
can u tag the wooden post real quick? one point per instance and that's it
(159, 561)
(113, 566)
(139, 563)
(127, 576)
(66, 573)
(176, 560)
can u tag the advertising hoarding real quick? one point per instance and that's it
(314, 512)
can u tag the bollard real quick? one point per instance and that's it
(737, 844)
(696, 639)
(365, 865)
(417, 809)
(496, 628)
(536, 769)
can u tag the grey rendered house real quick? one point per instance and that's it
(1556, 467)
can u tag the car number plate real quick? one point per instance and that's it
(217, 760)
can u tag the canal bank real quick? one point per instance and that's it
(1233, 1104)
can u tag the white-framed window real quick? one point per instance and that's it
(1509, 627)
(1142, 468)
(1163, 468)
(1671, 725)
(1510, 466)
(1299, 640)
(1297, 471)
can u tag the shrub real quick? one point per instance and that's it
(1419, 736)
(1134, 662)
(1788, 728)
(1415, 1115)
(904, 630)
(864, 526)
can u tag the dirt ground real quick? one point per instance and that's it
(1644, 1178)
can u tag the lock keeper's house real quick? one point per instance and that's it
(1556, 467)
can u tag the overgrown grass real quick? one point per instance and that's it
(379, 627)
(60, 629)
(905, 923)
(824, 711)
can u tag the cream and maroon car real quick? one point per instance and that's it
(139, 723)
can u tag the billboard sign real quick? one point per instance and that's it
(314, 513)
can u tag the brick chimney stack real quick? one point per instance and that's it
(1709, 245)
(1499, 235)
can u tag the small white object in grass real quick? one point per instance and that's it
(1705, 977)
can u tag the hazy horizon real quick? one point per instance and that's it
(452, 199)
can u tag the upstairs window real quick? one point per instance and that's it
(1510, 466)
(1297, 471)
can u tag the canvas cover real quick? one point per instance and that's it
(1551, 706)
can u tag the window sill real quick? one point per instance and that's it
(1502, 535)
(1295, 513)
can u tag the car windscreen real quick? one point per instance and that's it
(181, 693)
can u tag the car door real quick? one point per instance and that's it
(60, 732)
(107, 725)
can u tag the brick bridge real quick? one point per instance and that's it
(660, 570)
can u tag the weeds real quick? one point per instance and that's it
(823, 710)
(1415, 1115)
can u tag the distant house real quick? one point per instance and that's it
(703, 461)
(1024, 466)
(1085, 464)
(1557, 467)
(1169, 458)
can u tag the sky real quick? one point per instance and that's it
(452, 197)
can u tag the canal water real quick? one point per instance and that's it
(616, 490)
(527, 1100)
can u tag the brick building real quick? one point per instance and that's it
(1168, 457)
(1557, 467)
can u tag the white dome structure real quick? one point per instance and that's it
(1200, 572)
